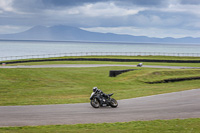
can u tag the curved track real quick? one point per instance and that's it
(184, 104)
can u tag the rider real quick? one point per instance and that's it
(98, 90)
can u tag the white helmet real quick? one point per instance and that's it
(95, 89)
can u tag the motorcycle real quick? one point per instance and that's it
(139, 65)
(98, 98)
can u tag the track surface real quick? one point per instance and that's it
(90, 65)
(183, 104)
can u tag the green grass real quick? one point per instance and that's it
(160, 75)
(23, 86)
(119, 57)
(156, 126)
(108, 62)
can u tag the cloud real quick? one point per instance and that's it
(190, 2)
(138, 15)
(123, 2)
(141, 3)
(29, 6)
(70, 2)
(5, 29)
(6, 5)
(106, 10)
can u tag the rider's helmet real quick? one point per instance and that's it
(95, 89)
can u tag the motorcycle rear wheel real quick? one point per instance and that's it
(95, 103)
(113, 103)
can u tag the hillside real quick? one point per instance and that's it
(67, 33)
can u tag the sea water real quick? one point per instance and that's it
(21, 48)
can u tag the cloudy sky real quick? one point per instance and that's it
(153, 18)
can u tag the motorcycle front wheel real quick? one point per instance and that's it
(95, 103)
(113, 103)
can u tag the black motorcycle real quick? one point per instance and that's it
(98, 98)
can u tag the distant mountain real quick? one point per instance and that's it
(67, 33)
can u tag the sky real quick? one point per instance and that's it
(152, 18)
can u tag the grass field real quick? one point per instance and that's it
(74, 85)
(156, 126)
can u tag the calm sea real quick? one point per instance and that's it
(20, 48)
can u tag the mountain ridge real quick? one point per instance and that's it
(68, 33)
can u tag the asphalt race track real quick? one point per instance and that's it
(184, 104)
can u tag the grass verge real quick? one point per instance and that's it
(156, 126)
